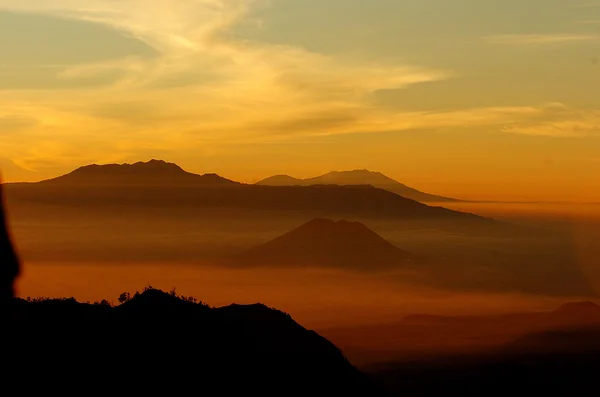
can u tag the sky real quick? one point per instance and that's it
(476, 99)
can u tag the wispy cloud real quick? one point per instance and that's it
(541, 39)
(225, 90)
(204, 91)
(10, 123)
(561, 123)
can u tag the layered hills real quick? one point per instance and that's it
(161, 184)
(420, 336)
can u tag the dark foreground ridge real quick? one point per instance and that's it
(161, 342)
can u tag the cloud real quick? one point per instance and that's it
(541, 39)
(357, 120)
(15, 122)
(91, 70)
(181, 25)
(204, 91)
(560, 122)
(201, 81)
(187, 35)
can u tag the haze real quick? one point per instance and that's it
(416, 181)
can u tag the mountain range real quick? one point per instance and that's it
(158, 212)
(357, 177)
(160, 172)
(330, 244)
(158, 183)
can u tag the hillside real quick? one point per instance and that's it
(163, 342)
(357, 177)
(326, 243)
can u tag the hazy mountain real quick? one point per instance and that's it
(569, 314)
(425, 335)
(538, 354)
(356, 177)
(16, 173)
(551, 364)
(578, 310)
(282, 180)
(163, 342)
(326, 243)
(151, 173)
(570, 340)
(165, 185)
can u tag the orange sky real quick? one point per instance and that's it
(477, 100)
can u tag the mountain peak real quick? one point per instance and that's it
(328, 243)
(152, 172)
(323, 225)
(280, 180)
(149, 166)
(153, 163)
(153, 297)
(357, 177)
(362, 171)
(361, 177)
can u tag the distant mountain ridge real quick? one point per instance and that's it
(153, 172)
(582, 311)
(423, 335)
(357, 177)
(160, 184)
(327, 243)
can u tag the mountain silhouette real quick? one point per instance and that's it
(163, 185)
(357, 177)
(570, 314)
(152, 173)
(425, 335)
(326, 243)
(160, 342)
(569, 340)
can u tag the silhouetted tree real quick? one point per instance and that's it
(124, 297)
(103, 302)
